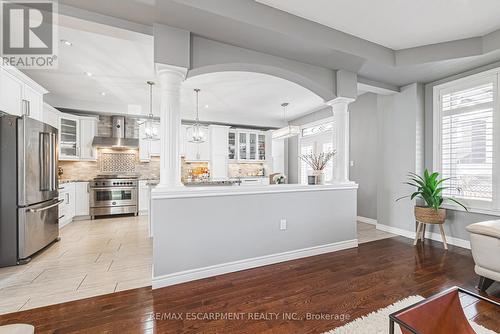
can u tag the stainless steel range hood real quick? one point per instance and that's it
(118, 139)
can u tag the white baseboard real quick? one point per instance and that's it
(429, 235)
(367, 220)
(224, 268)
(396, 230)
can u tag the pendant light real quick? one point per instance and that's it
(287, 131)
(150, 131)
(196, 132)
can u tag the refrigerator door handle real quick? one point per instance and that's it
(46, 207)
(45, 161)
(53, 172)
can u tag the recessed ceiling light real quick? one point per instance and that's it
(103, 93)
(66, 42)
(206, 106)
(88, 74)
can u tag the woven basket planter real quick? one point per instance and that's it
(430, 215)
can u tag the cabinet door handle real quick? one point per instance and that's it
(67, 198)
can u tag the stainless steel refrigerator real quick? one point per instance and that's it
(29, 205)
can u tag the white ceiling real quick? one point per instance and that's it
(399, 24)
(246, 98)
(121, 62)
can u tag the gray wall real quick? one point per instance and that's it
(245, 226)
(456, 220)
(400, 146)
(363, 151)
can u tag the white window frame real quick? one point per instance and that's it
(299, 141)
(473, 205)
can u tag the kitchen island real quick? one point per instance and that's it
(206, 231)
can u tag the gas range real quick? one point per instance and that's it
(115, 181)
(114, 194)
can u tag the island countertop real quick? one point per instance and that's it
(216, 191)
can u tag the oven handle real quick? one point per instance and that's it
(114, 188)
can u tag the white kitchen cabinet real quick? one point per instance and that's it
(67, 208)
(278, 156)
(251, 145)
(195, 151)
(34, 103)
(231, 145)
(11, 93)
(69, 137)
(20, 95)
(50, 115)
(144, 146)
(218, 152)
(88, 130)
(75, 138)
(155, 145)
(144, 197)
(82, 197)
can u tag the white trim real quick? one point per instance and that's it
(367, 220)
(224, 268)
(429, 235)
(476, 206)
(396, 230)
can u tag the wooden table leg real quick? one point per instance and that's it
(417, 234)
(443, 236)
(423, 232)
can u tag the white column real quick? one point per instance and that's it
(341, 138)
(170, 78)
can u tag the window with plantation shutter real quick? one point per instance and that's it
(468, 136)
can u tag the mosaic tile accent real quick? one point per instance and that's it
(118, 162)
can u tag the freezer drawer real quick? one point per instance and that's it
(38, 227)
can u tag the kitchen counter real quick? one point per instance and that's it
(71, 181)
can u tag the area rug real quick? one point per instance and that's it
(378, 322)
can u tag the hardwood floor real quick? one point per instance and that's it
(353, 282)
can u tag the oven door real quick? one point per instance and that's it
(113, 196)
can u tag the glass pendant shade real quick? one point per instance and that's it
(150, 131)
(196, 132)
(287, 131)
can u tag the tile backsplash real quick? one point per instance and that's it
(109, 162)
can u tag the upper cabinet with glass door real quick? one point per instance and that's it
(69, 138)
(251, 145)
(75, 138)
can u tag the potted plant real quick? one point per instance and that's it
(318, 162)
(429, 190)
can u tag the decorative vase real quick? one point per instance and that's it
(320, 176)
(428, 215)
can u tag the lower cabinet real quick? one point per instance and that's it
(144, 197)
(82, 196)
(67, 207)
(75, 197)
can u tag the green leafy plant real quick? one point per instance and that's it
(429, 189)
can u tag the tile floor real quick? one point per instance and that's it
(368, 232)
(93, 258)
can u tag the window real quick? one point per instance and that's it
(467, 133)
(316, 139)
